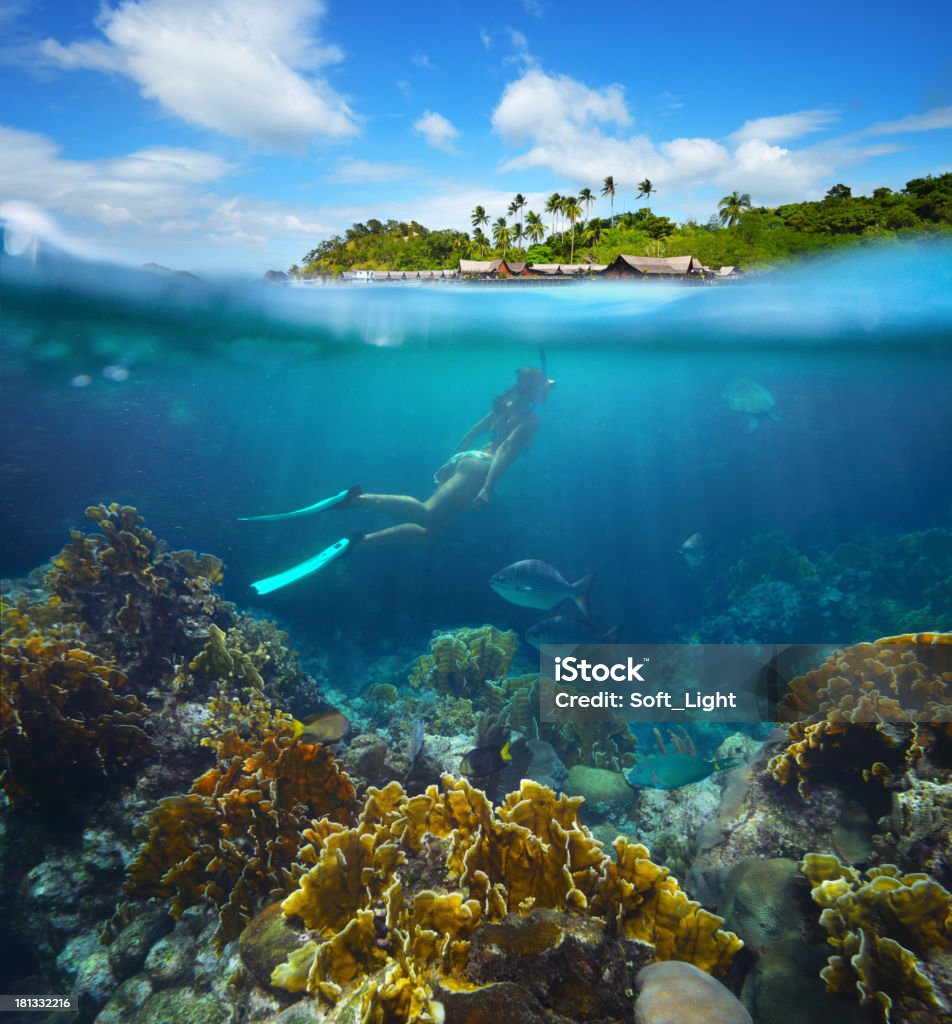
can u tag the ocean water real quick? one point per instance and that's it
(199, 402)
(825, 512)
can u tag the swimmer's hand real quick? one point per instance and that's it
(482, 499)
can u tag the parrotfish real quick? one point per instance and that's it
(671, 771)
(564, 629)
(535, 584)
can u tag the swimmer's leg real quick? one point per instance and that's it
(399, 506)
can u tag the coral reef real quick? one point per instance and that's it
(853, 713)
(234, 839)
(917, 833)
(680, 992)
(394, 903)
(65, 723)
(865, 918)
(460, 662)
(148, 607)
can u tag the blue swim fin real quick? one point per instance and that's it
(340, 500)
(312, 565)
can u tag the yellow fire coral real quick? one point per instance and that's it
(462, 661)
(861, 916)
(234, 838)
(394, 902)
(64, 722)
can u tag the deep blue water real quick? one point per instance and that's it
(249, 399)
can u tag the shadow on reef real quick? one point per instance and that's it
(190, 834)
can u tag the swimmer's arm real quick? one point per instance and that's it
(474, 431)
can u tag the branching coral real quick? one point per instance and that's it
(234, 839)
(152, 607)
(65, 723)
(394, 903)
(460, 662)
(883, 928)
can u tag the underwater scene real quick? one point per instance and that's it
(278, 562)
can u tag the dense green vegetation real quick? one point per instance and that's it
(739, 234)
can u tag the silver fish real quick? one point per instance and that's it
(534, 584)
(564, 629)
(693, 550)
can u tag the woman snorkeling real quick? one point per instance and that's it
(467, 478)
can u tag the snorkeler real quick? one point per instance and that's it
(467, 478)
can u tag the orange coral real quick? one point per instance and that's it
(234, 839)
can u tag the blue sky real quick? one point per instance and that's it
(234, 135)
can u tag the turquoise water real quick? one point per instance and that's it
(824, 504)
(238, 399)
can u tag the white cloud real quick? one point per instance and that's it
(532, 7)
(560, 124)
(422, 60)
(555, 108)
(437, 130)
(154, 202)
(784, 127)
(354, 171)
(240, 67)
(932, 120)
(486, 39)
(521, 54)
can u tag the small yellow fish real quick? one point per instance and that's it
(324, 727)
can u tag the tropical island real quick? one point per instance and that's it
(739, 235)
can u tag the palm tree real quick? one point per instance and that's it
(480, 241)
(586, 198)
(501, 235)
(517, 235)
(572, 210)
(594, 233)
(646, 190)
(608, 189)
(731, 207)
(535, 229)
(553, 206)
(517, 205)
(479, 218)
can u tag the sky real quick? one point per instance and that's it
(232, 136)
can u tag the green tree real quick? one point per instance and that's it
(608, 189)
(731, 207)
(553, 207)
(480, 241)
(535, 229)
(571, 210)
(586, 198)
(516, 206)
(517, 235)
(839, 192)
(501, 235)
(479, 219)
(646, 190)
